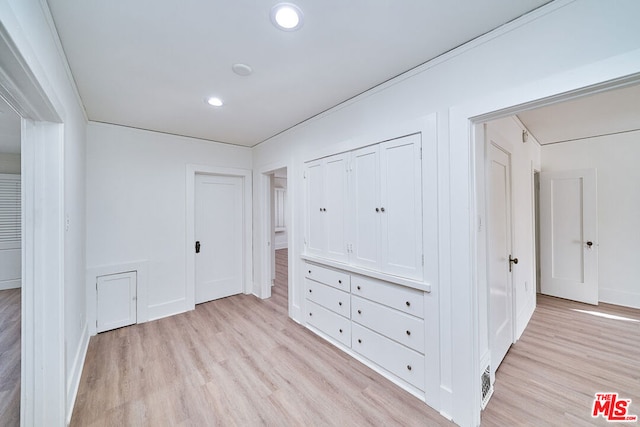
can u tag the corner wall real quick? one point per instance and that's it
(615, 158)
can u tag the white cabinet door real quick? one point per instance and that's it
(316, 238)
(327, 188)
(335, 206)
(365, 195)
(116, 301)
(401, 207)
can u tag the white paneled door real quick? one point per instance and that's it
(500, 256)
(116, 301)
(218, 246)
(568, 235)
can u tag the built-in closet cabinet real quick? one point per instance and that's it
(382, 211)
(327, 188)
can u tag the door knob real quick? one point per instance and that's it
(511, 262)
(589, 244)
(198, 247)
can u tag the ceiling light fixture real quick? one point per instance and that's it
(216, 102)
(242, 69)
(286, 16)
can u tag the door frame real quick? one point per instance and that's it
(465, 177)
(43, 376)
(262, 285)
(247, 229)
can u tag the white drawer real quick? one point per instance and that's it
(398, 326)
(328, 297)
(337, 279)
(395, 358)
(329, 322)
(405, 299)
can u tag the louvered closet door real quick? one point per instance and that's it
(401, 202)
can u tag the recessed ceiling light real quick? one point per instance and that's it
(286, 16)
(216, 102)
(242, 69)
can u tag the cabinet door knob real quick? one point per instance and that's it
(408, 332)
(309, 271)
(408, 304)
(359, 341)
(310, 291)
(382, 209)
(340, 330)
(310, 314)
(409, 367)
(340, 281)
(358, 287)
(377, 209)
(340, 303)
(359, 311)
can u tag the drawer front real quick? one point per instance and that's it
(328, 297)
(337, 279)
(401, 298)
(395, 358)
(332, 324)
(398, 326)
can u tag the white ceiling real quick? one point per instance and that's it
(9, 129)
(604, 113)
(150, 63)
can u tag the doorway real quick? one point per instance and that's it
(279, 232)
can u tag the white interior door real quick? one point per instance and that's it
(116, 301)
(568, 235)
(218, 226)
(365, 182)
(335, 201)
(316, 237)
(500, 267)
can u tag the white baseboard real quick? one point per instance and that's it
(166, 309)
(614, 296)
(73, 380)
(10, 284)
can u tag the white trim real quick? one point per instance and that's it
(247, 184)
(10, 284)
(76, 372)
(92, 274)
(618, 297)
(464, 147)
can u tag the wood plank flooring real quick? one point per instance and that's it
(241, 361)
(10, 321)
(237, 361)
(569, 352)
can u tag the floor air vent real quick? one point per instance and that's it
(487, 390)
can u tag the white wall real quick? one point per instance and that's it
(136, 205)
(9, 163)
(281, 238)
(29, 24)
(615, 159)
(528, 60)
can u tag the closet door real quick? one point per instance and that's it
(365, 195)
(401, 207)
(316, 236)
(335, 209)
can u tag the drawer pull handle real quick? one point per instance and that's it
(359, 311)
(408, 304)
(340, 330)
(409, 367)
(408, 332)
(358, 287)
(340, 303)
(340, 281)
(310, 291)
(310, 314)
(309, 271)
(359, 341)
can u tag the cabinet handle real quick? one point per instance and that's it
(377, 209)
(310, 314)
(340, 281)
(409, 367)
(359, 341)
(408, 332)
(310, 291)
(408, 304)
(340, 303)
(359, 311)
(309, 271)
(382, 209)
(320, 209)
(340, 330)
(358, 287)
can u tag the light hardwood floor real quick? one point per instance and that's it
(569, 352)
(10, 309)
(241, 361)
